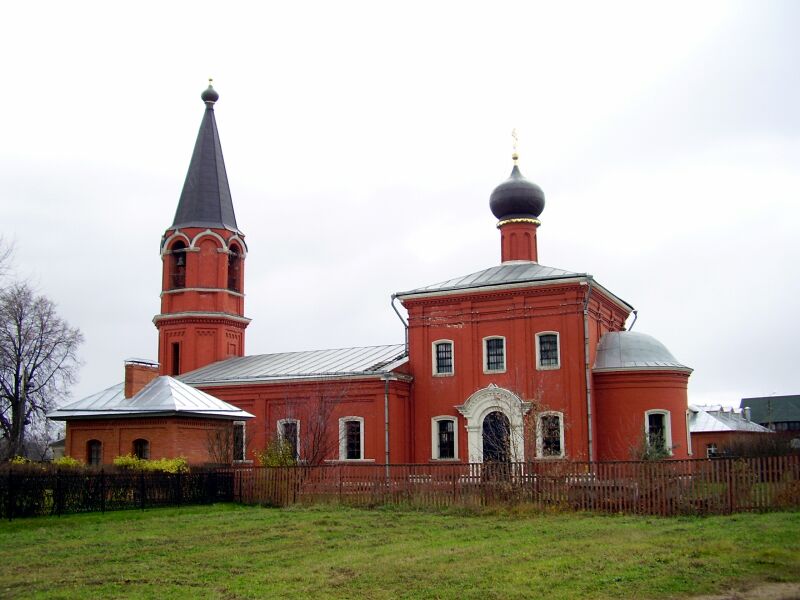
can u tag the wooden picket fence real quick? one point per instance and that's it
(675, 487)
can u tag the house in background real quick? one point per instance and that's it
(780, 414)
(514, 362)
(715, 428)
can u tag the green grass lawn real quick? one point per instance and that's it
(233, 551)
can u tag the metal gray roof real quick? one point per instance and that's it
(369, 360)
(206, 197)
(629, 350)
(508, 273)
(705, 419)
(162, 396)
(773, 409)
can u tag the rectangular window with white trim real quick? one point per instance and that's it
(494, 354)
(550, 435)
(444, 438)
(548, 353)
(658, 431)
(289, 433)
(351, 438)
(239, 442)
(443, 357)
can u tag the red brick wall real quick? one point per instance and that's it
(621, 400)
(169, 437)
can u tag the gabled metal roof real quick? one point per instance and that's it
(631, 350)
(164, 396)
(206, 197)
(773, 409)
(341, 362)
(705, 419)
(509, 273)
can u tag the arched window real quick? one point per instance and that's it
(177, 269)
(234, 269)
(141, 448)
(94, 452)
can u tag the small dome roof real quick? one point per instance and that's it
(629, 351)
(517, 198)
(210, 94)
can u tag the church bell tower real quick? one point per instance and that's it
(203, 252)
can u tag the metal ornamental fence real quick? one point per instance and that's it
(36, 490)
(717, 486)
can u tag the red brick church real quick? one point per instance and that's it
(515, 362)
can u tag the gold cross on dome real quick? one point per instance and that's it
(515, 153)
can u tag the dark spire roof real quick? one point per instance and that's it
(206, 197)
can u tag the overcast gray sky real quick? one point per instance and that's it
(362, 141)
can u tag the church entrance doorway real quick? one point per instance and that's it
(496, 438)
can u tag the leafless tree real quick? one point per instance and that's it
(38, 361)
(223, 442)
(318, 431)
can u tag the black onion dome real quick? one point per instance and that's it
(517, 198)
(210, 94)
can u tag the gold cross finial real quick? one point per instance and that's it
(515, 153)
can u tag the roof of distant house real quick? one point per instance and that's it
(313, 364)
(164, 396)
(773, 409)
(705, 419)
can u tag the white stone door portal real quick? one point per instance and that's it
(489, 400)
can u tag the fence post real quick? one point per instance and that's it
(729, 465)
(10, 496)
(179, 494)
(102, 491)
(57, 493)
(141, 489)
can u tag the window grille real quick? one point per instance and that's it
(656, 431)
(447, 439)
(548, 350)
(551, 435)
(289, 436)
(495, 354)
(238, 440)
(141, 449)
(94, 452)
(444, 357)
(353, 440)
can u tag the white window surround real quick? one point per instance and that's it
(281, 423)
(539, 366)
(488, 400)
(435, 437)
(343, 438)
(688, 434)
(486, 354)
(540, 434)
(243, 425)
(711, 450)
(434, 368)
(667, 426)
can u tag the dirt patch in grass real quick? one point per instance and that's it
(767, 591)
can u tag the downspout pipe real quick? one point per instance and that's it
(402, 320)
(386, 379)
(635, 316)
(586, 357)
